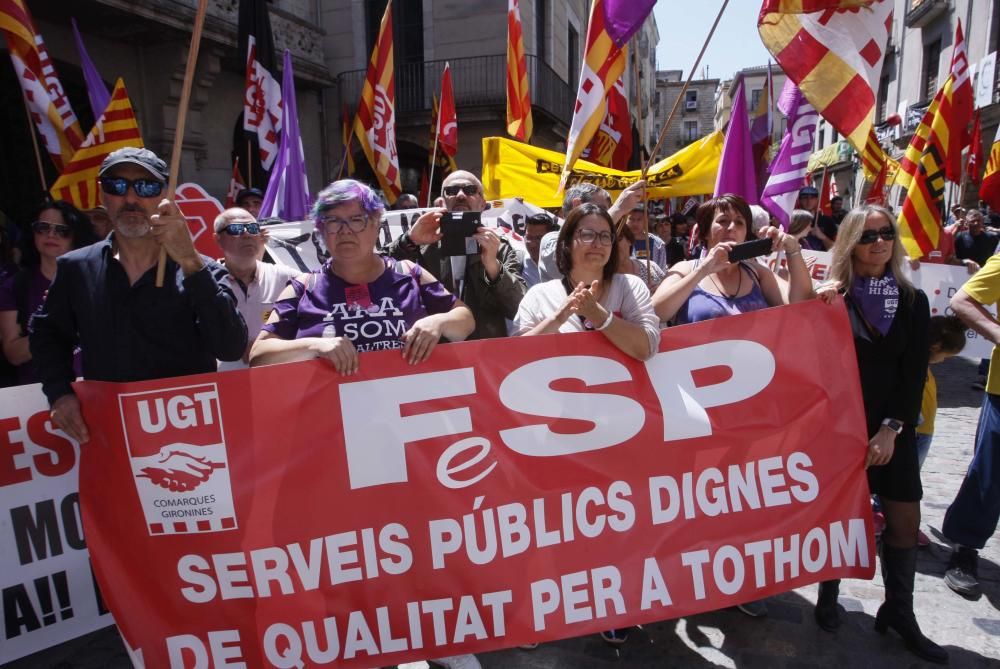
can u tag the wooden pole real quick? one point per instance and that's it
(182, 108)
(249, 163)
(38, 153)
(680, 96)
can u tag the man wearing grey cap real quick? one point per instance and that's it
(104, 297)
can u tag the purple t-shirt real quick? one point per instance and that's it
(373, 316)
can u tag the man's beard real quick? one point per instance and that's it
(129, 226)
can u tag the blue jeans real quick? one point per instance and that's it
(923, 447)
(972, 518)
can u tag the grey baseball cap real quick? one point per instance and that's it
(142, 157)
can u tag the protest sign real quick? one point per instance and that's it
(49, 594)
(940, 283)
(200, 210)
(515, 169)
(504, 491)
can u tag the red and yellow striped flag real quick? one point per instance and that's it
(833, 50)
(518, 93)
(50, 108)
(116, 129)
(989, 190)
(375, 123)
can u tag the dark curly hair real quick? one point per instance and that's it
(83, 231)
(564, 245)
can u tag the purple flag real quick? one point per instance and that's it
(287, 195)
(788, 169)
(736, 172)
(97, 91)
(622, 18)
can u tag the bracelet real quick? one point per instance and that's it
(789, 254)
(607, 321)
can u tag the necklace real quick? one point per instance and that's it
(722, 292)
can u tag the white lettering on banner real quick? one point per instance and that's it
(684, 402)
(222, 650)
(528, 390)
(940, 283)
(180, 412)
(582, 595)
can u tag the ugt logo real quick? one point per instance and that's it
(177, 448)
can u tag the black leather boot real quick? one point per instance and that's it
(826, 612)
(898, 567)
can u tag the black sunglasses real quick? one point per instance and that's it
(469, 189)
(43, 228)
(142, 187)
(871, 236)
(237, 229)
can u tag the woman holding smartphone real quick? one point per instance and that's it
(715, 286)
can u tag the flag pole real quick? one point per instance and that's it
(642, 140)
(34, 143)
(437, 133)
(249, 163)
(680, 96)
(347, 149)
(182, 108)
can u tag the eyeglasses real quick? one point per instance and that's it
(142, 187)
(58, 229)
(589, 237)
(470, 190)
(871, 236)
(335, 225)
(237, 229)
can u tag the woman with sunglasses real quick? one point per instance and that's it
(889, 319)
(58, 228)
(712, 287)
(359, 301)
(591, 295)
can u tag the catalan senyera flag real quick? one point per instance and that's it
(375, 122)
(923, 173)
(833, 50)
(50, 108)
(989, 190)
(612, 23)
(115, 129)
(518, 93)
(612, 143)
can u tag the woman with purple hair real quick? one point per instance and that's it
(359, 301)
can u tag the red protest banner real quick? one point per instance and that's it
(503, 492)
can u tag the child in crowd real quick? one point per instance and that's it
(947, 338)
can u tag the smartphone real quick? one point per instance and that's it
(747, 250)
(456, 228)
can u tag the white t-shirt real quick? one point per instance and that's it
(627, 298)
(255, 303)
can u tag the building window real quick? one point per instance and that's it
(820, 135)
(882, 100)
(932, 62)
(573, 55)
(690, 132)
(691, 100)
(755, 97)
(541, 29)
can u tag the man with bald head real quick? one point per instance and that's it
(491, 284)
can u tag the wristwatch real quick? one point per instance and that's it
(893, 424)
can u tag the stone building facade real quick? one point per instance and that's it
(694, 117)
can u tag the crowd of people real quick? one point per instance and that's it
(81, 301)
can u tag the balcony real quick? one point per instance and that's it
(921, 12)
(479, 81)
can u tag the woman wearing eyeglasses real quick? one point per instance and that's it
(359, 301)
(591, 295)
(889, 319)
(59, 227)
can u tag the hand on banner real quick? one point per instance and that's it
(67, 417)
(627, 200)
(828, 292)
(421, 339)
(880, 447)
(339, 352)
(971, 265)
(489, 245)
(170, 230)
(427, 229)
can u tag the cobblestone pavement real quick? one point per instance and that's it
(787, 637)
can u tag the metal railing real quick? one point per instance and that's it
(478, 81)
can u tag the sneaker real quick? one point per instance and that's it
(755, 609)
(615, 637)
(963, 572)
(878, 520)
(457, 662)
(922, 539)
(528, 646)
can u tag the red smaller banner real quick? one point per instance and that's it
(503, 492)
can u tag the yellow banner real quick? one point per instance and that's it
(515, 169)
